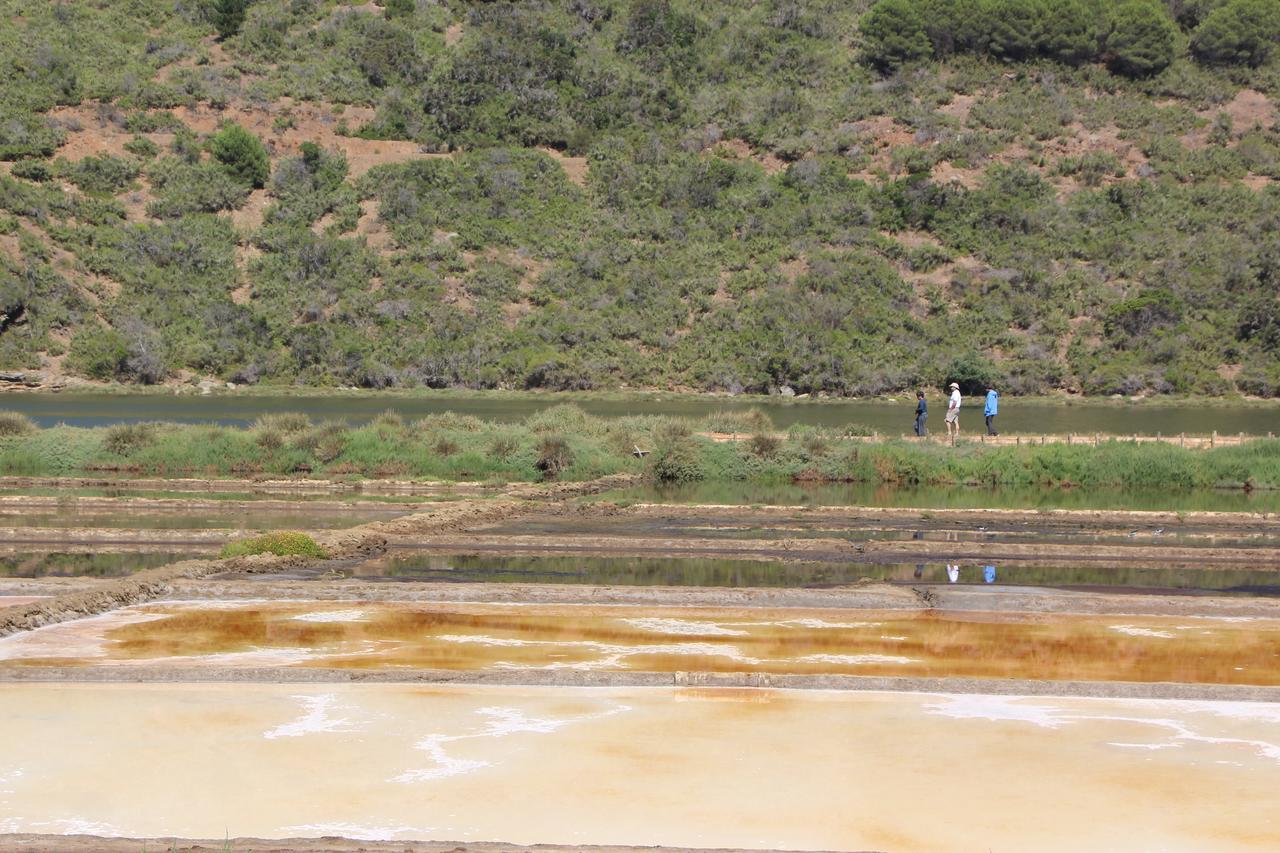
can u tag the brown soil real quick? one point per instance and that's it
(842, 550)
(742, 150)
(95, 844)
(575, 168)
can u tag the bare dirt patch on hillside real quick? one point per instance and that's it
(742, 150)
(575, 168)
(307, 122)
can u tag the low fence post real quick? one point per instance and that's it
(1182, 440)
(1097, 439)
(1213, 439)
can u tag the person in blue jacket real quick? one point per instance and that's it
(922, 414)
(991, 410)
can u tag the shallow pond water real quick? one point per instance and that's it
(951, 497)
(81, 564)
(201, 518)
(407, 565)
(691, 767)
(891, 418)
(728, 523)
(363, 635)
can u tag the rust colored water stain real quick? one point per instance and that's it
(486, 637)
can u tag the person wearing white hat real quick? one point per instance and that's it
(953, 412)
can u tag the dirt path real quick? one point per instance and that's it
(842, 550)
(297, 486)
(581, 678)
(95, 844)
(861, 596)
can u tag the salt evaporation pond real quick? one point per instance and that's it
(687, 767)
(614, 638)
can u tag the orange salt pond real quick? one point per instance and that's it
(702, 768)
(473, 637)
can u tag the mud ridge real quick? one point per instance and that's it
(139, 588)
(1074, 518)
(841, 550)
(559, 678)
(870, 595)
(259, 486)
(98, 844)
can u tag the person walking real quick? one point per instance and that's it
(922, 414)
(991, 410)
(953, 413)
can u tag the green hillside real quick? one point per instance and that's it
(718, 195)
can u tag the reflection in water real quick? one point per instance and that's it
(667, 639)
(954, 497)
(86, 565)
(203, 518)
(681, 571)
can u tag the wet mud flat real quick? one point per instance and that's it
(599, 766)
(600, 638)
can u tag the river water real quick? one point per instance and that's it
(1031, 417)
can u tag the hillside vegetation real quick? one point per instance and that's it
(717, 195)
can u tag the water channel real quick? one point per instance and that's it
(1032, 417)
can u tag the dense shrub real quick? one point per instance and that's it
(893, 33)
(242, 154)
(282, 543)
(15, 423)
(554, 456)
(124, 439)
(228, 16)
(1238, 32)
(1143, 40)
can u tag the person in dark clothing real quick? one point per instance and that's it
(922, 414)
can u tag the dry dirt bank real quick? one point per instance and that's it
(840, 550)
(95, 844)
(862, 596)
(1073, 519)
(15, 505)
(297, 486)
(455, 537)
(579, 678)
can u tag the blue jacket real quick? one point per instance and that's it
(993, 404)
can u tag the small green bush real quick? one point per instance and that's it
(228, 16)
(282, 543)
(677, 461)
(123, 439)
(242, 154)
(764, 445)
(554, 456)
(283, 422)
(15, 423)
(142, 147)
